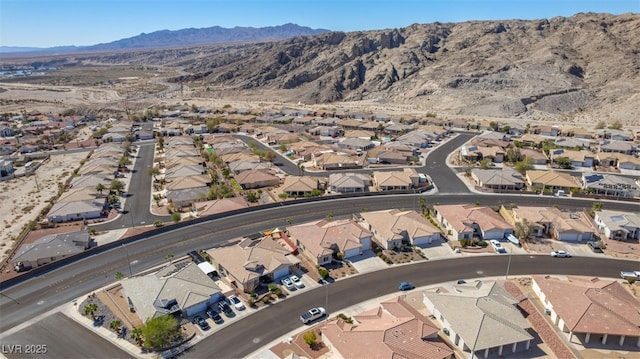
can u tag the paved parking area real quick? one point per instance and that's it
(438, 250)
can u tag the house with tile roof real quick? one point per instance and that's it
(295, 186)
(465, 221)
(582, 158)
(256, 179)
(178, 288)
(392, 228)
(393, 330)
(550, 221)
(395, 180)
(481, 318)
(625, 147)
(252, 260)
(187, 196)
(505, 178)
(349, 182)
(551, 180)
(621, 226)
(321, 240)
(619, 160)
(590, 308)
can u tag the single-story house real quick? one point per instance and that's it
(396, 180)
(76, 210)
(498, 179)
(321, 240)
(590, 308)
(393, 330)
(256, 179)
(186, 197)
(582, 158)
(610, 185)
(392, 228)
(349, 182)
(180, 289)
(563, 226)
(551, 180)
(295, 186)
(252, 261)
(491, 320)
(468, 221)
(50, 248)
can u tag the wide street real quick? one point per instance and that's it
(33, 296)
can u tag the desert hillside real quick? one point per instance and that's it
(580, 69)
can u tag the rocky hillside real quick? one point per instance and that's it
(584, 65)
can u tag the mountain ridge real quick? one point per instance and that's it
(181, 37)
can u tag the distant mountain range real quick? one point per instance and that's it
(183, 37)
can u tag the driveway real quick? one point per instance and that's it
(367, 262)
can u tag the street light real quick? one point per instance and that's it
(506, 276)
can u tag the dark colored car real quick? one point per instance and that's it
(406, 286)
(214, 316)
(202, 323)
(224, 307)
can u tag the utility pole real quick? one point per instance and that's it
(128, 260)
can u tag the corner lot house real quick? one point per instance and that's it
(393, 330)
(178, 289)
(251, 261)
(480, 317)
(51, 248)
(391, 228)
(320, 240)
(591, 309)
(468, 221)
(621, 226)
(551, 180)
(498, 179)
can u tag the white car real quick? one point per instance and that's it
(560, 254)
(312, 314)
(287, 283)
(497, 246)
(296, 281)
(236, 302)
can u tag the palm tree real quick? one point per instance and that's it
(136, 335)
(100, 187)
(119, 275)
(90, 309)
(116, 185)
(169, 256)
(115, 325)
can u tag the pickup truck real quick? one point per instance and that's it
(312, 314)
(634, 275)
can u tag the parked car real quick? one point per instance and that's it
(630, 275)
(296, 281)
(214, 316)
(287, 283)
(202, 323)
(406, 286)
(312, 314)
(497, 246)
(236, 302)
(224, 307)
(560, 254)
(595, 247)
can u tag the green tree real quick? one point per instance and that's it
(153, 172)
(506, 129)
(524, 165)
(176, 217)
(158, 332)
(119, 275)
(116, 186)
(523, 229)
(282, 147)
(485, 163)
(513, 154)
(252, 196)
(493, 125)
(136, 335)
(124, 161)
(310, 338)
(601, 125)
(563, 162)
(115, 325)
(329, 216)
(90, 309)
(100, 187)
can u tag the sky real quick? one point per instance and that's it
(47, 23)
